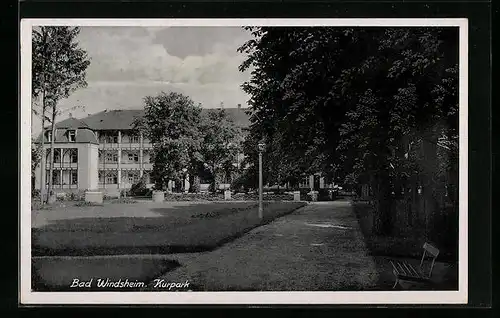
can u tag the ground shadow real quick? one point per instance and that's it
(409, 248)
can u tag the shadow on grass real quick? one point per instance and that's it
(50, 274)
(150, 235)
(407, 247)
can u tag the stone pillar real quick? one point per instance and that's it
(296, 196)
(186, 183)
(119, 159)
(321, 182)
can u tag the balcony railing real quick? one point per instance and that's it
(110, 165)
(109, 145)
(125, 145)
(58, 165)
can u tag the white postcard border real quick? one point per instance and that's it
(28, 297)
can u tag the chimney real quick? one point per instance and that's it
(70, 115)
(239, 106)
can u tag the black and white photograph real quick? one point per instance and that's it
(319, 161)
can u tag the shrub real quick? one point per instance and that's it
(324, 195)
(124, 201)
(85, 203)
(35, 193)
(36, 205)
(139, 188)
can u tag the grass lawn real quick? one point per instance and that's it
(317, 248)
(147, 228)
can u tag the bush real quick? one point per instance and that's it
(35, 193)
(139, 189)
(85, 203)
(36, 205)
(76, 196)
(123, 201)
(325, 195)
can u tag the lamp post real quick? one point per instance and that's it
(261, 146)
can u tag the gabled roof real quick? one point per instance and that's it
(83, 135)
(238, 115)
(71, 123)
(113, 119)
(123, 119)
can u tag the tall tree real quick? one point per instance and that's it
(172, 122)
(221, 145)
(348, 101)
(35, 159)
(59, 68)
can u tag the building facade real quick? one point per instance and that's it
(103, 152)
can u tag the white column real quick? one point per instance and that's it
(141, 155)
(119, 159)
(311, 182)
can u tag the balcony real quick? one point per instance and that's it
(130, 165)
(109, 145)
(108, 165)
(125, 145)
(65, 165)
(130, 145)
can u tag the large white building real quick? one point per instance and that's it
(103, 151)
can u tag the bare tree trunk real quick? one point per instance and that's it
(51, 164)
(429, 188)
(382, 221)
(215, 179)
(43, 172)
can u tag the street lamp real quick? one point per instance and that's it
(261, 146)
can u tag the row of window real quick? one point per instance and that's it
(63, 177)
(113, 139)
(112, 157)
(71, 134)
(111, 177)
(103, 138)
(64, 155)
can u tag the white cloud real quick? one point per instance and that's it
(129, 63)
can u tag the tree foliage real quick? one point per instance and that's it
(221, 144)
(350, 102)
(172, 123)
(36, 155)
(58, 69)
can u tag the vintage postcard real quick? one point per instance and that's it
(244, 161)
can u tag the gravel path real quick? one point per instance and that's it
(318, 247)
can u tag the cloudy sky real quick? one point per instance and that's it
(129, 63)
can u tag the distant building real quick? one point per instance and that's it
(103, 151)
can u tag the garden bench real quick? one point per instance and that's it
(403, 270)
